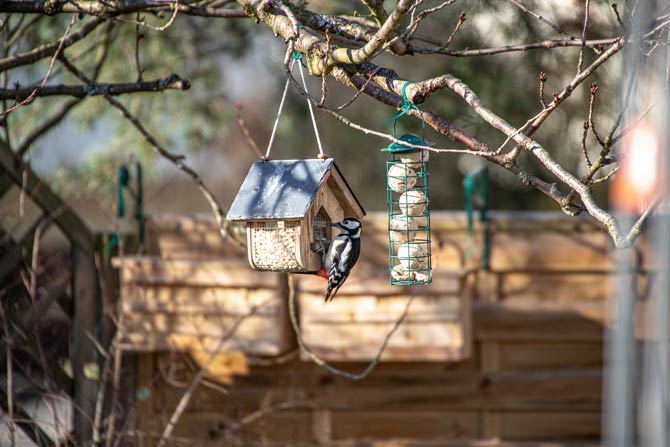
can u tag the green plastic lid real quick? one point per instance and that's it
(410, 138)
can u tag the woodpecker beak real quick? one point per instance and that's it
(338, 225)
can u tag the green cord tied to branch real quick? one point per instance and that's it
(299, 57)
(407, 106)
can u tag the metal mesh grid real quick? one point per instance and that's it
(274, 245)
(407, 198)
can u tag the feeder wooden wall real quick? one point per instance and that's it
(534, 376)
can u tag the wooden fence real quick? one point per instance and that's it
(529, 371)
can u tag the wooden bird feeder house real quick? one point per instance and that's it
(289, 206)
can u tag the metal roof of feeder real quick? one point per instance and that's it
(283, 189)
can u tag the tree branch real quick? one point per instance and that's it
(177, 160)
(370, 49)
(171, 82)
(344, 29)
(48, 49)
(104, 8)
(545, 44)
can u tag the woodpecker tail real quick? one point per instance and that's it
(330, 292)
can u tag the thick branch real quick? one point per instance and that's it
(49, 49)
(346, 29)
(103, 8)
(172, 82)
(370, 49)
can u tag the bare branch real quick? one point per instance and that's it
(586, 24)
(171, 82)
(545, 44)
(542, 19)
(177, 160)
(370, 49)
(186, 397)
(104, 8)
(350, 30)
(543, 80)
(29, 98)
(49, 49)
(245, 131)
(322, 363)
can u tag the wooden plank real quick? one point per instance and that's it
(535, 320)
(373, 309)
(145, 395)
(376, 282)
(209, 428)
(538, 355)
(404, 424)
(572, 286)
(193, 272)
(199, 300)
(550, 426)
(354, 342)
(322, 426)
(223, 367)
(544, 391)
(158, 341)
(84, 355)
(541, 249)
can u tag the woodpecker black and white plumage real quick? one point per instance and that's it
(342, 254)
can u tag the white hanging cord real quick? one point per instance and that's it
(311, 112)
(281, 106)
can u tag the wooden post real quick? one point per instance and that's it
(322, 426)
(489, 360)
(83, 354)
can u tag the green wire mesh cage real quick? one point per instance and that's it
(408, 201)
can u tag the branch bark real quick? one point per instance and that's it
(171, 82)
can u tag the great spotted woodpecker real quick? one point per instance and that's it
(342, 255)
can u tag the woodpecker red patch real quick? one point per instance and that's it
(322, 273)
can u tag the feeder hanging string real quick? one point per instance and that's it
(311, 110)
(296, 56)
(281, 106)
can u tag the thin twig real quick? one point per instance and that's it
(59, 50)
(543, 80)
(176, 159)
(585, 152)
(186, 397)
(461, 20)
(543, 45)
(586, 24)
(542, 19)
(322, 363)
(138, 37)
(245, 130)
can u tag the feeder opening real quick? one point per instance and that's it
(322, 231)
